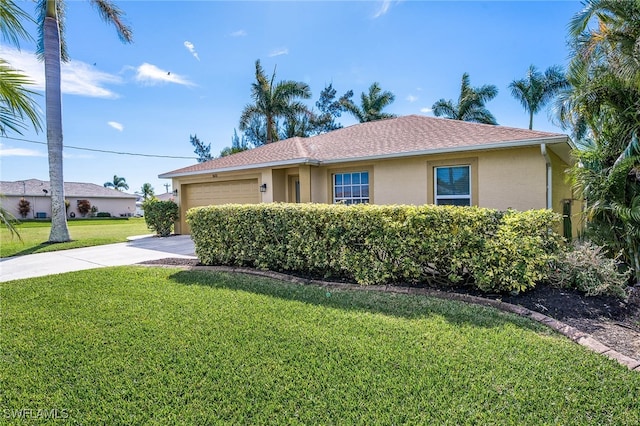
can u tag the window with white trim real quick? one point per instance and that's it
(351, 188)
(452, 185)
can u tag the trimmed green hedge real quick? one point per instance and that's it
(160, 215)
(371, 244)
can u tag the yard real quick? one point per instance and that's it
(84, 232)
(136, 345)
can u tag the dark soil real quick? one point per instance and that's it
(612, 321)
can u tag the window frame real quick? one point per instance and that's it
(349, 200)
(437, 197)
(471, 161)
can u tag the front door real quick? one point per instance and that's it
(294, 189)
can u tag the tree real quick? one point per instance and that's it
(147, 191)
(470, 106)
(255, 132)
(602, 109)
(237, 145)
(330, 109)
(272, 101)
(24, 207)
(16, 102)
(537, 89)
(202, 151)
(84, 207)
(118, 183)
(52, 48)
(372, 104)
(298, 125)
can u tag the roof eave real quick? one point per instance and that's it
(292, 162)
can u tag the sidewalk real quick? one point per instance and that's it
(136, 250)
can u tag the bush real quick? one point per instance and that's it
(84, 207)
(499, 251)
(160, 215)
(585, 267)
(103, 214)
(24, 207)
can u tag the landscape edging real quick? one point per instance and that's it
(572, 333)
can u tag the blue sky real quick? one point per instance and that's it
(191, 65)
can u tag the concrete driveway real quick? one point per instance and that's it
(136, 250)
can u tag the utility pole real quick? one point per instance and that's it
(166, 188)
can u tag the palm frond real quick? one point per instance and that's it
(16, 101)
(11, 17)
(112, 14)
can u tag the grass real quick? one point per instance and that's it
(85, 233)
(135, 345)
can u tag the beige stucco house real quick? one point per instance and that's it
(405, 160)
(37, 192)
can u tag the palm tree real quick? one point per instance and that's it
(273, 101)
(16, 103)
(614, 38)
(602, 109)
(53, 49)
(372, 104)
(146, 191)
(470, 106)
(9, 222)
(537, 89)
(118, 183)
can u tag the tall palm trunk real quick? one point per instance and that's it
(59, 230)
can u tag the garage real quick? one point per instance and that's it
(243, 191)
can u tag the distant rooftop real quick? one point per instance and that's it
(37, 188)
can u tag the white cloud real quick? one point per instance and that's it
(151, 75)
(116, 125)
(426, 110)
(191, 48)
(77, 77)
(384, 8)
(412, 98)
(19, 152)
(279, 52)
(239, 33)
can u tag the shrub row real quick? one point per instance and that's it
(370, 244)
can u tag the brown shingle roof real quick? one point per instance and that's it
(34, 187)
(401, 136)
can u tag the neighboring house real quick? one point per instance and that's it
(406, 160)
(168, 196)
(38, 192)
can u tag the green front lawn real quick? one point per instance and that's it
(84, 233)
(135, 345)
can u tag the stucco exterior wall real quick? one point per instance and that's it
(512, 178)
(40, 204)
(117, 207)
(37, 204)
(500, 179)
